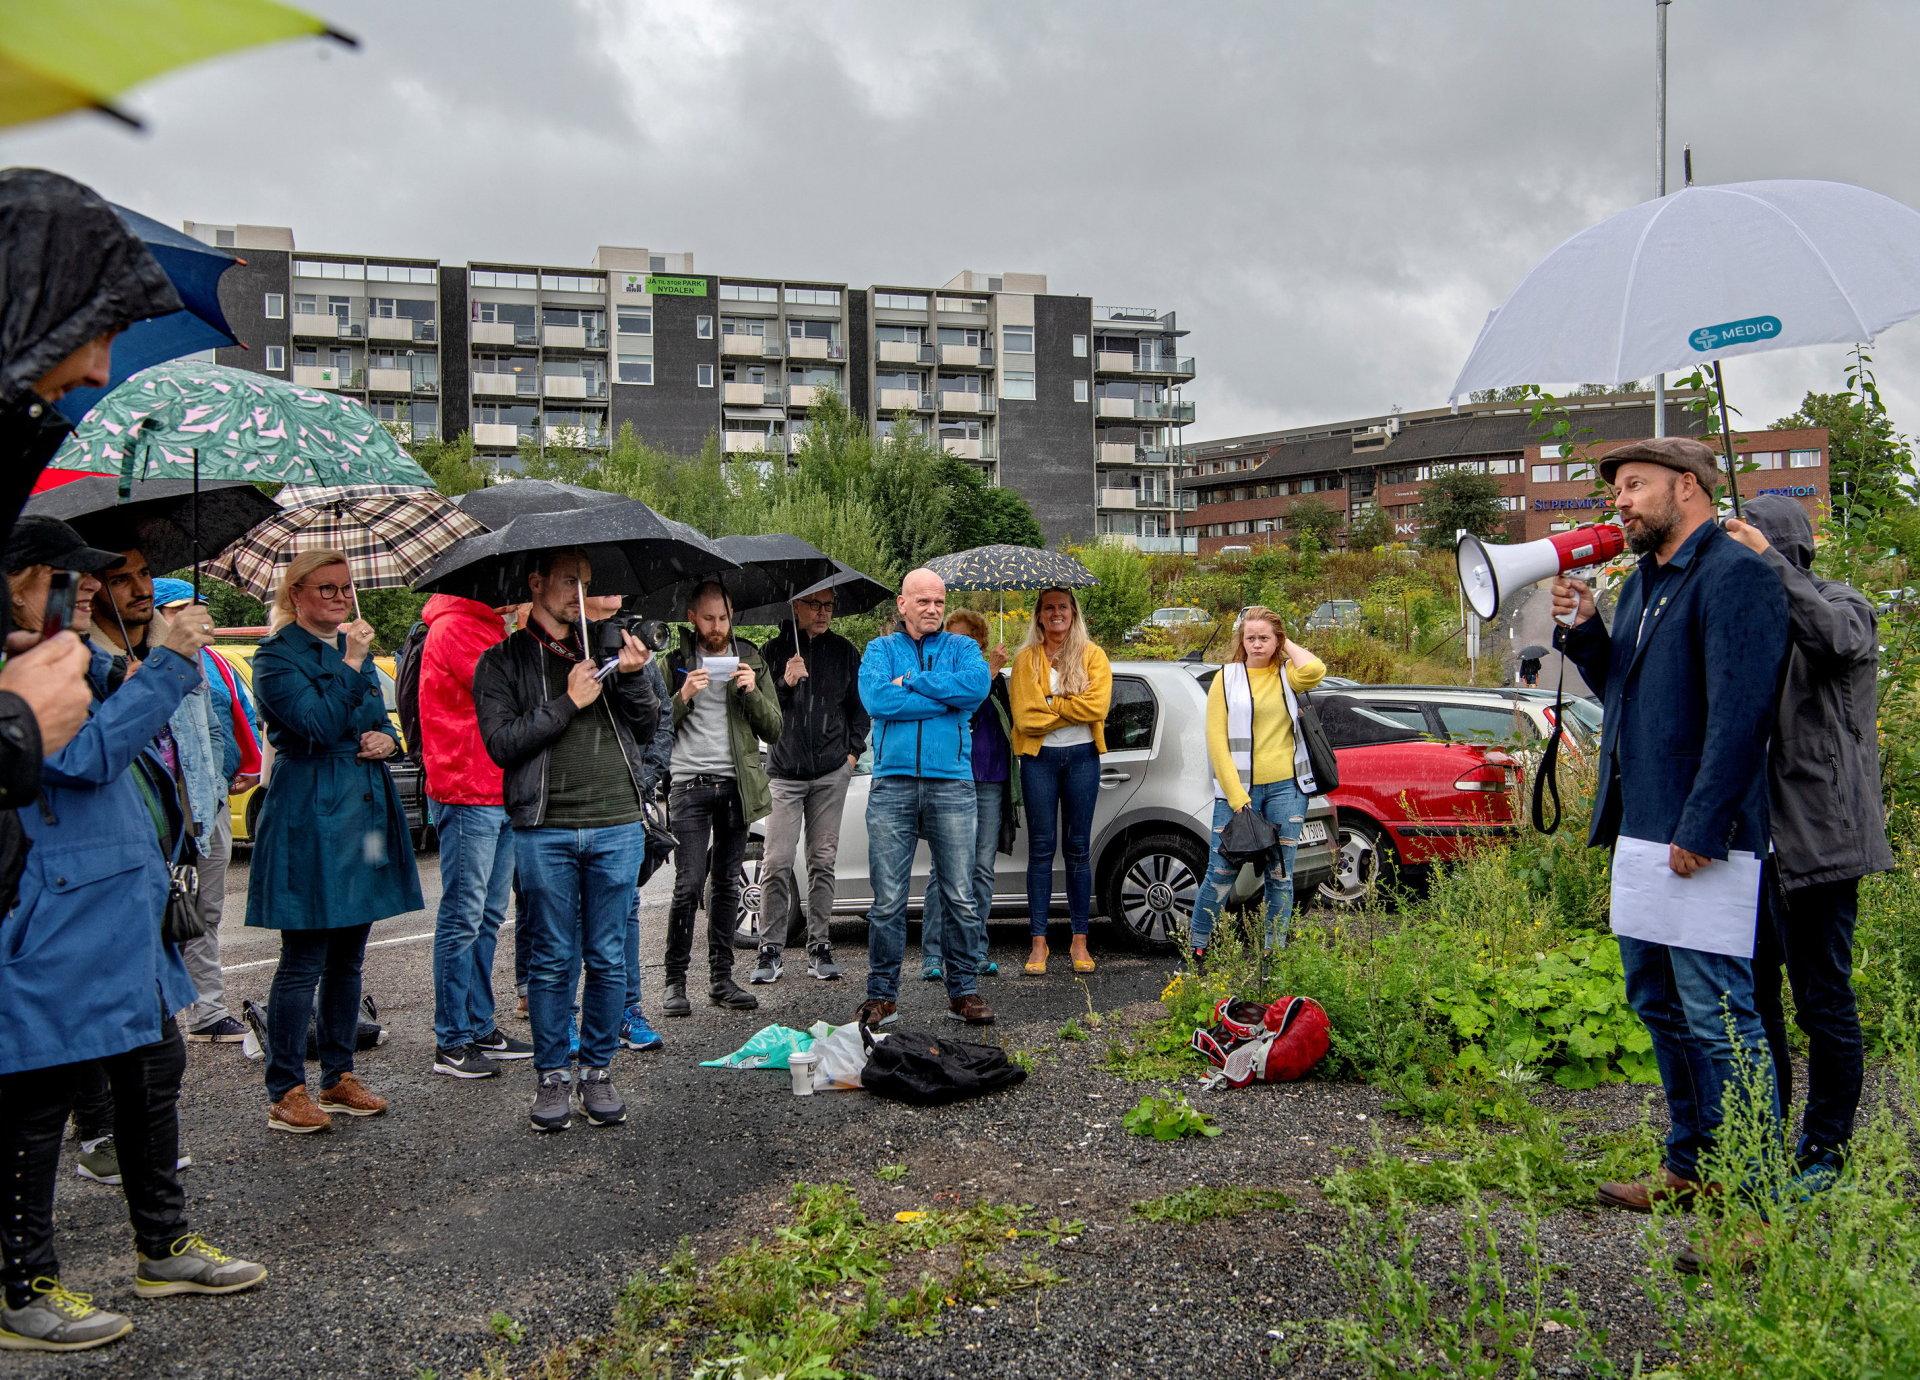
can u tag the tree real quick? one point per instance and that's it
(1457, 499)
(1371, 528)
(452, 464)
(1122, 598)
(1871, 464)
(981, 514)
(1312, 519)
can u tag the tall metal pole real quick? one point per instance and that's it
(1660, 171)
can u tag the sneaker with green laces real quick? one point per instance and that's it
(194, 1265)
(57, 1319)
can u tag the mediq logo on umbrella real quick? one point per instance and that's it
(1741, 332)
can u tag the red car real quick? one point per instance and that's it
(1406, 799)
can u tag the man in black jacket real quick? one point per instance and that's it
(1828, 828)
(572, 743)
(824, 731)
(72, 277)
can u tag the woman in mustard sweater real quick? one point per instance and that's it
(1059, 687)
(1251, 743)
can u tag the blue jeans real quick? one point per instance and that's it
(1283, 805)
(989, 798)
(476, 879)
(902, 810)
(578, 885)
(1060, 785)
(1684, 997)
(327, 960)
(633, 951)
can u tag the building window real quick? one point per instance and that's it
(1546, 474)
(223, 239)
(814, 297)
(1578, 470)
(1552, 452)
(276, 359)
(1804, 459)
(1079, 390)
(901, 301)
(1503, 467)
(306, 304)
(1766, 459)
(1018, 384)
(1017, 340)
(635, 321)
(275, 307)
(571, 282)
(703, 327)
(1079, 347)
(748, 292)
(656, 263)
(636, 369)
(703, 375)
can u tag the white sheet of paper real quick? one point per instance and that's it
(719, 667)
(1715, 910)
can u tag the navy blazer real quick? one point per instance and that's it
(1683, 756)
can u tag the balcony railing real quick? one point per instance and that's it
(574, 386)
(505, 385)
(1166, 546)
(400, 328)
(905, 399)
(959, 400)
(326, 326)
(1116, 498)
(1179, 413)
(751, 394)
(967, 356)
(811, 347)
(747, 346)
(574, 337)
(903, 352)
(1180, 366)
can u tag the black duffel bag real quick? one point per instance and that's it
(927, 1072)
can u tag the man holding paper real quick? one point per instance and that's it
(1689, 673)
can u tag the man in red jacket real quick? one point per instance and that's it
(466, 799)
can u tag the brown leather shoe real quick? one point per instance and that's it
(296, 1114)
(350, 1095)
(971, 1008)
(1669, 1187)
(875, 1012)
(1740, 1253)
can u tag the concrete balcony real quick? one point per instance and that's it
(576, 436)
(1166, 546)
(573, 337)
(905, 400)
(320, 376)
(904, 352)
(748, 346)
(749, 443)
(743, 394)
(1116, 407)
(1113, 362)
(1166, 365)
(493, 333)
(564, 386)
(390, 380)
(1116, 498)
(967, 356)
(327, 326)
(402, 328)
(503, 385)
(496, 434)
(965, 450)
(1118, 452)
(810, 347)
(951, 401)
(802, 394)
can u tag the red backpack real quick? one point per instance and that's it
(1256, 1042)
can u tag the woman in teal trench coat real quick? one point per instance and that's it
(331, 854)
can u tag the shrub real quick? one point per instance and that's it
(1122, 598)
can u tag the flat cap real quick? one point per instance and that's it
(1681, 453)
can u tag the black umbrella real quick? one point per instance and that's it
(853, 593)
(633, 551)
(773, 569)
(1531, 650)
(158, 516)
(498, 504)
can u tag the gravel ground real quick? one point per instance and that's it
(391, 1241)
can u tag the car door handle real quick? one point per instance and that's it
(1113, 776)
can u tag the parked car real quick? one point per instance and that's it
(1171, 620)
(1407, 798)
(1331, 614)
(407, 776)
(1509, 716)
(1151, 828)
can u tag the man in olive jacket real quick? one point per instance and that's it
(721, 715)
(1828, 827)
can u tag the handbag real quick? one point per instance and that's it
(180, 919)
(1326, 767)
(1249, 838)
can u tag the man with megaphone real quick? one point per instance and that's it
(1689, 671)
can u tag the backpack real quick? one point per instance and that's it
(926, 1071)
(1255, 1042)
(406, 685)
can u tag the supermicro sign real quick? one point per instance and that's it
(1744, 332)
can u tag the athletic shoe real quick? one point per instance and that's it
(225, 1031)
(350, 1095)
(599, 1100)
(971, 1008)
(194, 1265)
(637, 1033)
(468, 1061)
(99, 1161)
(296, 1113)
(552, 1102)
(731, 995)
(497, 1044)
(768, 968)
(675, 1002)
(254, 1045)
(820, 963)
(875, 1012)
(990, 969)
(57, 1319)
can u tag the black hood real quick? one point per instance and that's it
(1785, 525)
(69, 271)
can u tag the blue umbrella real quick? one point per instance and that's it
(195, 270)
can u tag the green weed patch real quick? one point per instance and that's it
(1203, 1203)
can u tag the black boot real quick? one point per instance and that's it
(730, 994)
(675, 1003)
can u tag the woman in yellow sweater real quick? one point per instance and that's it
(1059, 687)
(1251, 742)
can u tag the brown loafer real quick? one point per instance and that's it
(971, 1008)
(295, 1113)
(1641, 1197)
(876, 1012)
(1740, 1254)
(350, 1095)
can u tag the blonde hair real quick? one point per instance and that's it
(974, 623)
(298, 571)
(1237, 647)
(1072, 661)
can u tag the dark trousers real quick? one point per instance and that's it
(34, 1107)
(705, 816)
(328, 960)
(92, 1102)
(1809, 930)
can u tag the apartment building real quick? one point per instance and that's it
(1076, 406)
(1243, 487)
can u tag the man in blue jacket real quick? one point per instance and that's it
(1689, 674)
(920, 686)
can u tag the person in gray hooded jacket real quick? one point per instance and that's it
(1828, 828)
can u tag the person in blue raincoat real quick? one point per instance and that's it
(87, 980)
(332, 853)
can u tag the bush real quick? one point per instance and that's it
(1122, 598)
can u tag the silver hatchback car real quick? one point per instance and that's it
(1151, 828)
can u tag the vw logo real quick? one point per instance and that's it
(1160, 896)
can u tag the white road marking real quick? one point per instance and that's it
(371, 944)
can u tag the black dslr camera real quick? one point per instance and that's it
(651, 631)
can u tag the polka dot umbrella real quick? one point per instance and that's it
(1011, 567)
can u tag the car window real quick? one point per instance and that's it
(1406, 715)
(386, 690)
(1130, 717)
(1484, 724)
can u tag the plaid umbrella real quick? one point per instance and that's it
(1011, 567)
(388, 534)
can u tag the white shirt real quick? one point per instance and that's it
(1067, 735)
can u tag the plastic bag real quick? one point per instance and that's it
(767, 1049)
(841, 1055)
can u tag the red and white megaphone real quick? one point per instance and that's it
(1491, 574)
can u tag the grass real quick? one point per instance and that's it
(1203, 1203)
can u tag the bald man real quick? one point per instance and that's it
(921, 686)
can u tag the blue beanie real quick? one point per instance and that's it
(167, 590)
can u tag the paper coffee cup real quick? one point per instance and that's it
(800, 1068)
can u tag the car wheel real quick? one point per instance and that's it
(1152, 886)
(1364, 859)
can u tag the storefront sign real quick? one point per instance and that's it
(1793, 491)
(1544, 505)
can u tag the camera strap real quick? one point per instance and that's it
(1546, 777)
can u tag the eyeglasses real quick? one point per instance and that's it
(817, 605)
(331, 591)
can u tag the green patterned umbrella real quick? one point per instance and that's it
(186, 419)
(1011, 567)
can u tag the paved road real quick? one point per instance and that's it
(1534, 623)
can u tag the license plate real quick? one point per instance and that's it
(1313, 832)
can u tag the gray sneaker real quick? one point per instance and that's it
(599, 1100)
(56, 1319)
(553, 1102)
(194, 1265)
(820, 963)
(767, 969)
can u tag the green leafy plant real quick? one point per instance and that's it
(1168, 1118)
(507, 1327)
(890, 1173)
(1203, 1203)
(1073, 1032)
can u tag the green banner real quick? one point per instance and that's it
(663, 285)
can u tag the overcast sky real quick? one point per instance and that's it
(1331, 195)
